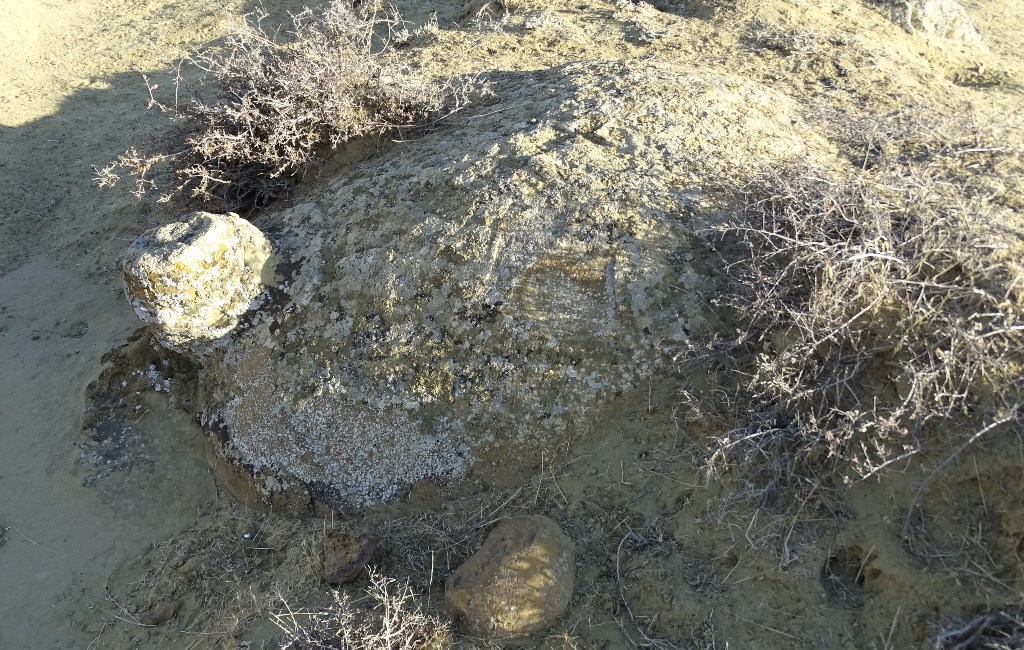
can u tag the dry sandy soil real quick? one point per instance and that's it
(94, 535)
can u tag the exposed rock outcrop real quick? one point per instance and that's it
(478, 293)
(938, 18)
(519, 583)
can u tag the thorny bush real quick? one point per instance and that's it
(997, 630)
(276, 106)
(876, 309)
(388, 618)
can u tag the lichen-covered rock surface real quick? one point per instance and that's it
(193, 279)
(518, 583)
(938, 18)
(480, 291)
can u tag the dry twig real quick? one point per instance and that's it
(648, 641)
(270, 109)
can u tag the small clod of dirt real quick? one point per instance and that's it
(346, 553)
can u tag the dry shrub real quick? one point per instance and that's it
(276, 105)
(998, 630)
(694, 8)
(788, 40)
(877, 310)
(388, 618)
(494, 9)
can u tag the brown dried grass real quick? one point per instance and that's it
(879, 311)
(269, 109)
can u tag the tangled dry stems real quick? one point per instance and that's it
(632, 538)
(388, 618)
(269, 108)
(998, 630)
(217, 560)
(876, 309)
(788, 40)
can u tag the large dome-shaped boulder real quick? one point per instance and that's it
(478, 293)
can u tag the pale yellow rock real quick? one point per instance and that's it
(519, 583)
(942, 18)
(194, 279)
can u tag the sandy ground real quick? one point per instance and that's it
(64, 538)
(71, 96)
(67, 98)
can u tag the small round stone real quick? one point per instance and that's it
(346, 553)
(195, 278)
(519, 583)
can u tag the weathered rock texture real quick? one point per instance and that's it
(346, 553)
(519, 583)
(941, 18)
(481, 291)
(195, 278)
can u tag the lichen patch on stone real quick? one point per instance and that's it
(195, 278)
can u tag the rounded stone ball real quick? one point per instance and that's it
(519, 583)
(195, 278)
